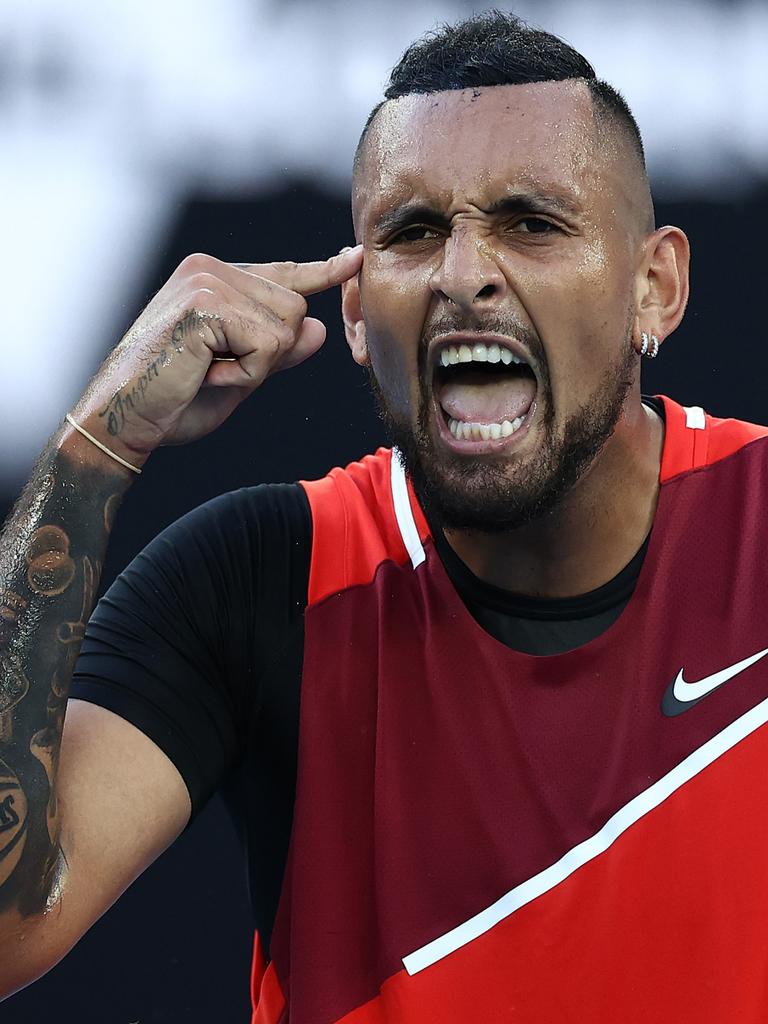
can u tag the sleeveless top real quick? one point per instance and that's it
(481, 834)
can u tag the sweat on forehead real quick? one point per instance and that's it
(548, 131)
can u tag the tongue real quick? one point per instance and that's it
(500, 398)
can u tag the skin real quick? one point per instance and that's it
(86, 806)
(587, 284)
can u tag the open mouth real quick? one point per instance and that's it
(485, 389)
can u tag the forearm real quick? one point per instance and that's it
(51, 553)
(205, 342)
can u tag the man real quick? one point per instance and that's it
(474, 715)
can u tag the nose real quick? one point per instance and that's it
(469, 275)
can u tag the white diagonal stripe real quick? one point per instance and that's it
(590, 848)
(403, 513)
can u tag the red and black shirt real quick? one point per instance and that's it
(459, 804)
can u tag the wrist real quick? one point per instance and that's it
(85, 441)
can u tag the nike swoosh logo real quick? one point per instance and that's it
(680, 695)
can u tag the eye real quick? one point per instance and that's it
(534, 226)
(414, 233)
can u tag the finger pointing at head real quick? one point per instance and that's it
(308, 278)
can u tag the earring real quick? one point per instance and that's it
(649, 347)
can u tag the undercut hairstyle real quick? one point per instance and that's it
(496, 48)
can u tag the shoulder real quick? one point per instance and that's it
(248, 507)
(362, 515)
(235, 525)
(694, 440)
(218, 561)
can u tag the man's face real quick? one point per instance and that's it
(501, 236)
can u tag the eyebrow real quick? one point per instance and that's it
(530, 201)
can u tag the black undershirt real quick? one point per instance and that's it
(199, 644)
(541, 625)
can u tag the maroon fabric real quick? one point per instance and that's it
(438, 769)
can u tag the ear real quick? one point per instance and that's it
(661, 290)
(354, 325)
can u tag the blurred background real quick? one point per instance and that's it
(133, 132)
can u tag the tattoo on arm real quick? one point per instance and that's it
(132, 396)
(50, 562)
(123, 401)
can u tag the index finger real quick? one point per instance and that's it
(308, 278)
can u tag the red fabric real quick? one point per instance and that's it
(267, 997)
(686, 448)
(554, 961)
(352, 511)
(438, 769)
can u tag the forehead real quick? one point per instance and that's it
(466, 145)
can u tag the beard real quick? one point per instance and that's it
(497, 494)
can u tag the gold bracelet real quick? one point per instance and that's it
(93, 440)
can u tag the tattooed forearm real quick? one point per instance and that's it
(50, 561)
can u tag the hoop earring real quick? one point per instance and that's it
(650, 346)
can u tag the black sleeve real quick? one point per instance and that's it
(182, 639)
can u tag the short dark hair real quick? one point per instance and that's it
(497, 48)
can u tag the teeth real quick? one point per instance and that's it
(479, 353)
(483, 431)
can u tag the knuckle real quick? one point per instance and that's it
(200, 300)
(202, 282)
(298, 306)
(267, 345)
(196, 263)
(284, 334)
(272, 346)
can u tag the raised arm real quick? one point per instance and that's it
(74, 829)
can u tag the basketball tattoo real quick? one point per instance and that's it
(50, 568)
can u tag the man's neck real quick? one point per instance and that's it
(592, 534)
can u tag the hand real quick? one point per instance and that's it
(209, 338)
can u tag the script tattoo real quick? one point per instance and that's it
(127, 398)
(133, 395)
(189, 322)
(50, 562)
